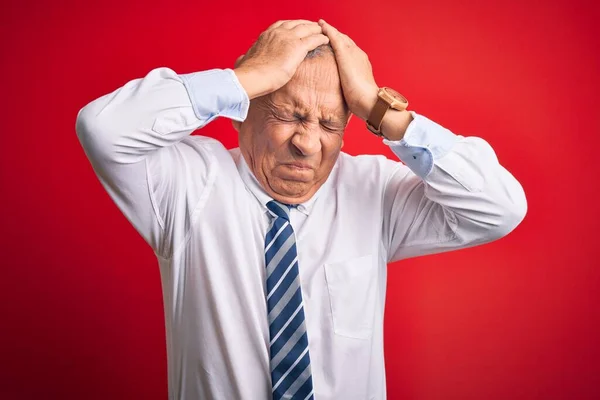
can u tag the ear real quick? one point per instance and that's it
(342, 146)
(238, 61)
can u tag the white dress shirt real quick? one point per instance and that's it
(203, 213)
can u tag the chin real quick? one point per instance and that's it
(292, 192)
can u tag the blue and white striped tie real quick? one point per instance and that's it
(290, 362)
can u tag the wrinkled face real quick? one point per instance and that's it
(292, 137)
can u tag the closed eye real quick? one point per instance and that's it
(284, 118)
(332, 127)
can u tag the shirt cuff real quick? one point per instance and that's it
(216, 93)
(423, 143)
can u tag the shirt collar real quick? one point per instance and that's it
(261, 195)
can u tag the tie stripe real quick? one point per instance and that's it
(279, 250)
(307, 388)
(290, 360)
(292, 373)
(279, 320)
(301, 360)
(294, 323)
(282, 277)
(277, 356)
(275, 237)
(298, 383)
(290, 320)
(278, 305)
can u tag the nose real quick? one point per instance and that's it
(307, 142)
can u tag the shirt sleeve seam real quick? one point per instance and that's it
(427, 242)
(153, 201)
(197, 210)
(386, 246)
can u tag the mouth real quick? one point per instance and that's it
(298, 166)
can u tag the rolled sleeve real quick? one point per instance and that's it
(216, 93)
(423, 144)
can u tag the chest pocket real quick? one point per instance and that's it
(352, 288)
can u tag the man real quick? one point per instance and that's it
(273, 255)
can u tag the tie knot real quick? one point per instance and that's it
(279, 209)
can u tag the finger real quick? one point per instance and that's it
(338, 39)
(304, 30)
(330, 29)
(332, 34)
(293, 23)
(277, 24)
(314, 41)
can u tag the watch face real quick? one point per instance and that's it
(393, 98)
(396, 95)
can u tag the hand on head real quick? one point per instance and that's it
(275, 57)
(356, 73)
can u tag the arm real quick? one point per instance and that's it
(134, 139)
(454, 193)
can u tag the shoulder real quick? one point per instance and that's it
(366, 169)
(204, 142)
(209, 147)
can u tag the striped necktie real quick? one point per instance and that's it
(290, 362)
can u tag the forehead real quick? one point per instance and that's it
(315, 88)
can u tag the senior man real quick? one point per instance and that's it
(273, 255)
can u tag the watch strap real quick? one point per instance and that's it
(376, 116)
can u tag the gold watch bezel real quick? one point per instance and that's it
(393, 99)
(396, 100)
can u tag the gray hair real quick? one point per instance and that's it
(319, 51)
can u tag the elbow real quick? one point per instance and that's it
(515, 214)
(92, 132)
(90, 119)
(497, 216)
(511, 211)
(84, 122)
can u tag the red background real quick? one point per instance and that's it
(80, 293)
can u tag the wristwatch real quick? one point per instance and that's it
(386, 98)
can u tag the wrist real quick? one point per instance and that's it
(250, 82)
(367, 104)
(395, 123)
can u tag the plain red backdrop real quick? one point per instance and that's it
(80, 293)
